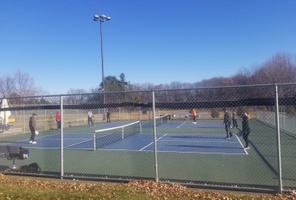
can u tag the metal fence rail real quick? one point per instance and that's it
(169, 146)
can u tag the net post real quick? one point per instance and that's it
(94, 138)
(122, 133)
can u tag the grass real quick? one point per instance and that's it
(32, 188)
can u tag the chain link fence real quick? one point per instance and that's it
(153, 135)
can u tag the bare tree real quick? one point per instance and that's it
(24, 84)
(279, 69)
(7, 85)
(243, 77)
(76, 96)
(20, 84)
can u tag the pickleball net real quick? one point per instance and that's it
(104, 137)
(159, 120)
(162, 119)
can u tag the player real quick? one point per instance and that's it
(89, 118)
(58, 119)
(227, 124)
(108, 116)
(32, 126)
(246, 129)
(194, 114)
(234, 122)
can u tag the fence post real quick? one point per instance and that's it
(24, 121)
(45, 120)
(278, 139)
(154, 137)
(62, 136)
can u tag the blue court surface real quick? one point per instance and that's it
(189, 124)
(181, 143)
(176, 136)
(178, 143)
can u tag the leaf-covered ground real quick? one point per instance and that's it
(32, 188)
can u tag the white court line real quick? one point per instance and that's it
(176, 152)
(77, 143)
(152, 143)
(242, 145)
(198, 141)
(181, 124)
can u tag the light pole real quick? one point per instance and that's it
(102, 18)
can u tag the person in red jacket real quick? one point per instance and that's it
(58, 119)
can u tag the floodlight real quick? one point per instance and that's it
(96, 17)
(103, 16)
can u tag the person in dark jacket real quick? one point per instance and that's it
(227, 124)
(234, 122)
(246, 129)
(32, 126)
(108, 116)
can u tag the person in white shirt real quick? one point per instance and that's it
(89, 118)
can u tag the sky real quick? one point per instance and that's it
(151, 41)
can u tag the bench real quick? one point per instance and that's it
(13, 153)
